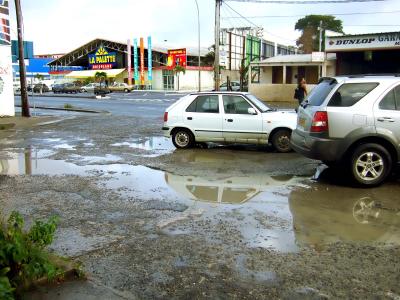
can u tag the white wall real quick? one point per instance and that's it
(6, 82)
(190, 80)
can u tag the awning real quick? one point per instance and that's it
(90, 73)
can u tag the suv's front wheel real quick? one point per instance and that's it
(370, 164)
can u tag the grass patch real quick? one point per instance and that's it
(24, 259)
(68, 106)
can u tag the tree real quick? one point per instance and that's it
(100, 77)
(309, 41)
(209, 58)
(177, 70)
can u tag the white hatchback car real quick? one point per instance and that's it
(227, 117)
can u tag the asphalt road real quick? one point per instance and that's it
(151, 104)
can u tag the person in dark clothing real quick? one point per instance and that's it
(301, 91)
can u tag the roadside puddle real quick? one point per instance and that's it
(281, 213)
(157, 144)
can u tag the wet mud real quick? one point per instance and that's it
(149, 221)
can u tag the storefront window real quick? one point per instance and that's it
(168, 80)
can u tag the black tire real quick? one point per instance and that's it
(126, 90)
(370, 164)
(281, 140)
(182, 139)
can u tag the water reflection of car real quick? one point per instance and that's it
(322, 216)
(226, 190)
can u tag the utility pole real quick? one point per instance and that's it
(198, 28)
(320, 47)
(217, 31)
(22, 71)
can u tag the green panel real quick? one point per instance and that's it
(253, 49)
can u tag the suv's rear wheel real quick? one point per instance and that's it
(370, 164)
(281, 140)
(182, 139)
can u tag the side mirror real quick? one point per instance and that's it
(251, 111)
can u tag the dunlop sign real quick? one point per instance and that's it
(102, 59)
(389, 40)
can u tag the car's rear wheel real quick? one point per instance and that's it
(182, 139)
(281, 140)
(126, 90)
(370, 164)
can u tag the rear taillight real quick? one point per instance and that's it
(320, 122)
(166, 116)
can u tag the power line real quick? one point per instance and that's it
(305, 1)
(252, 23)
(296, 16)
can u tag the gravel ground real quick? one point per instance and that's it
(139, 236)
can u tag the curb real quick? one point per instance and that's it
(69, 109)
(58, 95)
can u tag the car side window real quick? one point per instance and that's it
(350, 93)
(204, 104)
(391, 101)
(235, 105)
(388, 102)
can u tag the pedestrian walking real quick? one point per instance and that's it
(301, 91)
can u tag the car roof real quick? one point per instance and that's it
(219, 93)
(366, 78)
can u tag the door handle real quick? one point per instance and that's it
(230, 120)
(385, 119)
(189, 118)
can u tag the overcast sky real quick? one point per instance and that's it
(59, 26)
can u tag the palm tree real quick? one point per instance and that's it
(177, 70)
(100, 77)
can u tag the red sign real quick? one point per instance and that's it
(102, 67)
(176, 57)
(141, 61)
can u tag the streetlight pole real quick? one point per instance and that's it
(198, 29)
(217, 30)
(22, 71)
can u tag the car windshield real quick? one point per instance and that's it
(258, 103)
(318, 94)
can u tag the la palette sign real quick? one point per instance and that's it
(102, 59)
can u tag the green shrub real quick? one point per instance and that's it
(23, 257)
(68, 106)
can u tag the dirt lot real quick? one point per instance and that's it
(148, 221)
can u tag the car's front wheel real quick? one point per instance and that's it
(281, 140)
(370, 164)
(182, 139)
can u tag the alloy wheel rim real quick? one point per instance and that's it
(369, 166)
(182, 139)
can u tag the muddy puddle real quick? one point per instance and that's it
(156, 145)
(281, 213)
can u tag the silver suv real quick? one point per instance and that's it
(354, 121)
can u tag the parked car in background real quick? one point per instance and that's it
(120, 87)
(235, 86)
(16, 87)
(71, 88)
(41, 88)
(355, 122)
(227, 117)
(101, 89)
(58, 88)
(89, 88)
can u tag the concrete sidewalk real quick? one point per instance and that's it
(14, 123)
